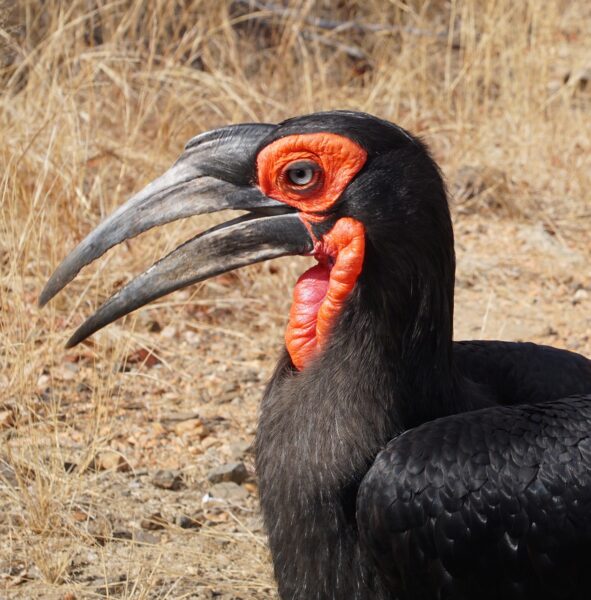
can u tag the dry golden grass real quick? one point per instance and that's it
(97, 97)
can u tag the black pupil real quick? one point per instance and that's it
(301, 174)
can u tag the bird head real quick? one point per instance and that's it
(360, 194)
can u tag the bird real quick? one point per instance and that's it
(393, 462)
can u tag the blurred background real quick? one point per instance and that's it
(125, 463)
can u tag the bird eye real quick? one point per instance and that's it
(302, 173)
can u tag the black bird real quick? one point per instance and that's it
(393, 462)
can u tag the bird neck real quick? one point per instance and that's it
(385, 367)
(405, 310)
(315, 442)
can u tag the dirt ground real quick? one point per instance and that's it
(126, 468)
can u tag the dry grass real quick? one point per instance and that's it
(97, 97)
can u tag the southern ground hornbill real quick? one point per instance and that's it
(393, 462)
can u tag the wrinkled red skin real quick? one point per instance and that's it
(321, 291)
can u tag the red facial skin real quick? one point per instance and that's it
(321, 292)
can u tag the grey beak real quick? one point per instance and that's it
(214, 173)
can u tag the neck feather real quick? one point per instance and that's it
(318, 435)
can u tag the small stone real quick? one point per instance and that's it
(69, 596)
(169, 332)
(230, 387)
(42, 382)
(6, 419)
(216, 515)
(143, 356)
(549, 331)
(209, 442)
(65, 372)
(154, 327)
(251, 376)
(251, 488)
(168, 480)
(158, 429)
(238, 450)
(179, 416)
(229, 491)
(122, 534)
(255, 523)
(186, 522)
(79, 516)
(193, 427)
(144, 537)
(235, 472)
(580, 295)
(154, 522)
(111, 461)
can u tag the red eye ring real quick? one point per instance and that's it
(302, 176)
(337, 158)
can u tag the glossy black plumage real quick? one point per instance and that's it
(317, 440)
(487, 504)
(522, 372)
(483, 488)
(389, 367)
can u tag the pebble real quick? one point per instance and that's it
(230, 387)
(209, 442)
(235, 472)
(122, 534)
(549, 331)
(169, 332)
(42, 382)
(251, 488)
(227, 490)
(6, 419)
(168, 480)
(145, 537)
(110, 461)
(186, 522)
(238, 450)
(251, 376)
(154, 522)
(193, 427)
(179, 416)
(580, 295)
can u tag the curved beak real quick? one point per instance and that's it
(213, 173)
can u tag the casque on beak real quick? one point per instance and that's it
(215, 172)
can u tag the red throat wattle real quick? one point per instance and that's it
(321, 292)
(327, 163)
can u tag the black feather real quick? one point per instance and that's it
(484, 490)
